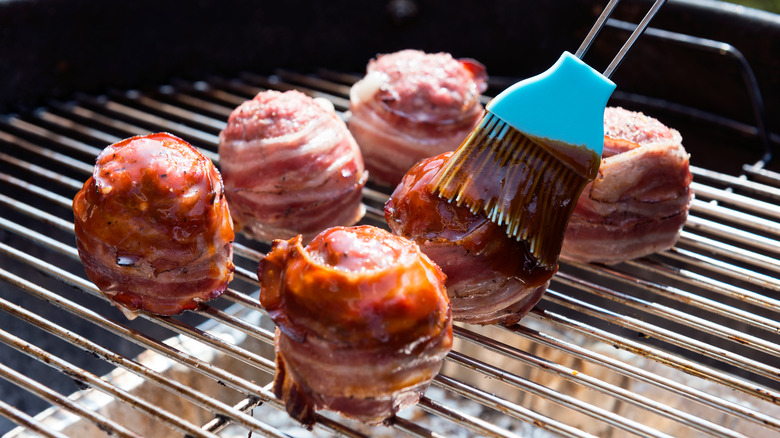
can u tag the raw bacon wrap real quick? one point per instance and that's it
(152, 226)
(363, 322)
(491, 278)
(413, 105)
(290, 167)
(639, 201)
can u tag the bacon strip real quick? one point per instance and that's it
(639, 202)
(290, 166)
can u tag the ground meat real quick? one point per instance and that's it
(413, 105)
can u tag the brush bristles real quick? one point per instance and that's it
(500, 172)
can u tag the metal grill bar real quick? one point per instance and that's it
(176, 388)
(684, 297)
(768, 176)
(737, 183)
(46, 153)
(737, 253)
(160, 122)
(27, 421)
(740, 201)
(194, 363)
(729, 233)
(80, 375)
(651, 378)
(245, 405)
(725, 214)
(714, 257)
(254, 360)
(736, 272)
(243, 355)
(150, 375)
(656, 354)
(476, 424)
(674, 336)
(53, 137)
(501, 404)
(62, 401)
(567, 373)
(39, 171)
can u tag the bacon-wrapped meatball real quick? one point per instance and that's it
(491, 278)
(413, 105)
(290, 167)
(363, 322)
(639, 201)
(153, 227)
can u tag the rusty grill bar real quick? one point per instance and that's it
(682, 343)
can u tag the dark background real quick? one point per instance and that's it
(49, 49)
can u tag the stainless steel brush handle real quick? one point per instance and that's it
(594, 31)
(599, 24)
(631, 39)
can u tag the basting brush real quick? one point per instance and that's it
(539, 143)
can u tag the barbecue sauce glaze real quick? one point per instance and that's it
(152, 226)
(363, 322)
(527, 184)
(491, 277)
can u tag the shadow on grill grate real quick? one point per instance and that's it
(683, 343)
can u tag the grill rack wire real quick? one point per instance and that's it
(681, 343)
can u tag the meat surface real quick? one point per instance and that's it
(363, 322)
(491, 278)
(639, 201)
(152, 226)
(413, 105)
(290, 167)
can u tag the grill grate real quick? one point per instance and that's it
(682, 343)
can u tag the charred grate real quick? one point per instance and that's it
(682, 343)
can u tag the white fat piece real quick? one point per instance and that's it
(364, 89)
(325, 104)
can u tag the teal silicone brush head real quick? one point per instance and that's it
(565, 104)
(539, 144)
